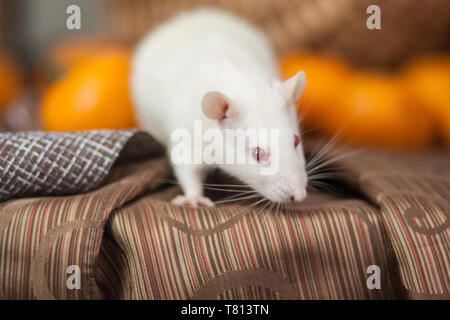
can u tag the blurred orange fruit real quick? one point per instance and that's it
(94, 94)
(427, 81)
(365, 108)
(375, 111)
(10, 80)
(326, 82)
(64, 55)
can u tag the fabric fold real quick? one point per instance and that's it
(101, 203)
(38, 163)
(413, 194)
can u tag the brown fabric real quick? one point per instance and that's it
(112, 274)
(41, 237)
(319, 251)
(130, 243)
(414, 196)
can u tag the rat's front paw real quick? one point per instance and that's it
(192, 201)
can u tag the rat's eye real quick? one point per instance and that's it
(296, 141)
(259, 155)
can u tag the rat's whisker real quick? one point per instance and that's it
(240, 194)
(278, 208)
(225, 190)
(325, 149)
(226, 185)
(272, 204)
(320, 155)
(252, 196)
(327, 173)
(288, 206)
(283, 205)
(303, 132)
(318, 183)
(269, 205)
(251, 206)
(322, 184)
(332, 170)
(323, 175)
(332, 160)
(266, 205)
(313, 187)
(210, 184)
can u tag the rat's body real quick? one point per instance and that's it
(210, 66)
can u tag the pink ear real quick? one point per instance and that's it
(216, 106)
(292, 88)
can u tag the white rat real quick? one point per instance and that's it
(211, 66)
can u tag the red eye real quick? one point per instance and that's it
(296, 141)
(259, 154)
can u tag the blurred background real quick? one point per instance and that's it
(385, 88)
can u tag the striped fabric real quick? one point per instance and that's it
(129, 242)
(111, 274)
(317, 252)
(414, 197)
(40, 238)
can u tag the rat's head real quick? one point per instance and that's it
(259, 123)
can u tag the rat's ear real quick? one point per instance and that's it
(216, 106)
(292, 88)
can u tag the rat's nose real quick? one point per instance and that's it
(298, 196)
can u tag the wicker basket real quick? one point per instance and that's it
(337, 25)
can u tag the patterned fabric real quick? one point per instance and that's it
(316, 252)
(153, 250)
(129, 242)
(43, 163)
(40, 238)
(414, 196)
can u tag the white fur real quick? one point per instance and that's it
(208, 50)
